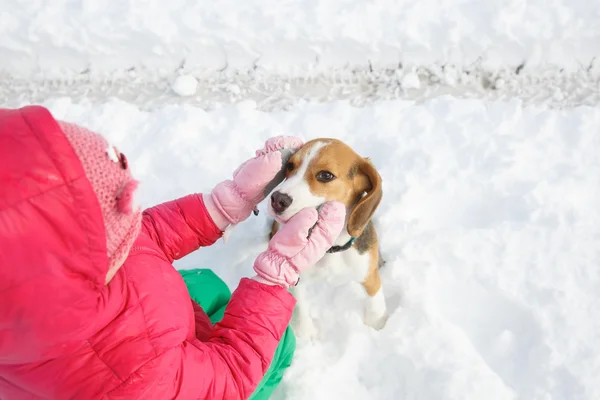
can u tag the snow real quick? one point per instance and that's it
(410, 81)
(185, 85)
(489, 224)
(149, 53)
(293, 37)
(481, 115)
(361, 87)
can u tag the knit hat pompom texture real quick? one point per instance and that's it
(109, 174)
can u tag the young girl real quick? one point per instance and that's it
(90, 304)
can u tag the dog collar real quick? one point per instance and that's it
(337, 249)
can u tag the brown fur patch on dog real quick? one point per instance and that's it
(368, 242)
(274, 229)
(365, 208)
(372, 282)
(367, 239)
(353, 171)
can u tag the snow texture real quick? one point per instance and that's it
(490, 226)
(293, 36)
(185, 85)
(276, 53)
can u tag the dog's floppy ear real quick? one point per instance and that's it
(369, 180)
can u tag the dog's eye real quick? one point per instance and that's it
(290, 166)
(325, 176)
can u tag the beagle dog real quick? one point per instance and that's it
(325, 170)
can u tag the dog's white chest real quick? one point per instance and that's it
(320, 286)
(342, 267)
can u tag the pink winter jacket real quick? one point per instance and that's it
(65, 335)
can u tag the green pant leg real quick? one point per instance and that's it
(206, 289)
(212, 294)
(281, 361)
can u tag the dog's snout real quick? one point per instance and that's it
(280, 202)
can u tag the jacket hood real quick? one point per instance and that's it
(53, 259)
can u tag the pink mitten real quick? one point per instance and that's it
(300, 244)
(232, 201)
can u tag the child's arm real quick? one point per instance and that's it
(182, 226)
(240, 348)
(238, 351)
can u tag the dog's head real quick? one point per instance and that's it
(326, 170)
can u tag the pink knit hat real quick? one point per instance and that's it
(107, 170)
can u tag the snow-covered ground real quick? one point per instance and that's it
(276, 52)
(490, 225)
(481, 115)
(360, 86)
(293, 36)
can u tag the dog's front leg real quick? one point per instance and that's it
(375, 314)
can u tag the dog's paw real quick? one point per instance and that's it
(376, 311)
(375, 321)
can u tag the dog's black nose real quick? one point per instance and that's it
(280, 202)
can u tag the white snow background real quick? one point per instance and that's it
(487, 137)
